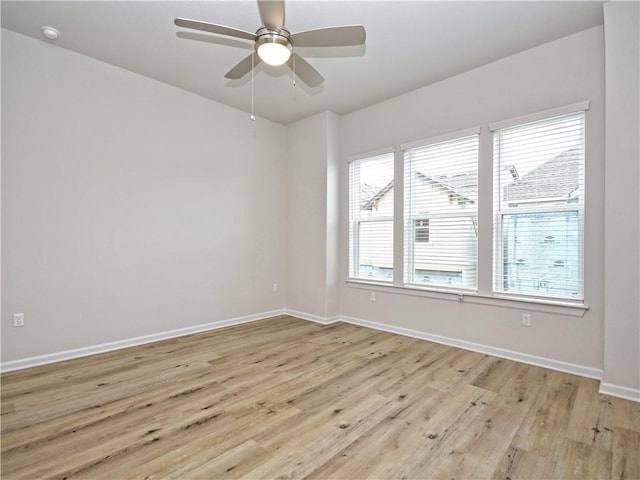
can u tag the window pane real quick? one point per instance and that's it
(375, 259)
(371, 218)
(540, 253)
(441, 196)
(539, 199)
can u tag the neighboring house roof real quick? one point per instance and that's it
(463, 188)
(556, 178)
(377, 195)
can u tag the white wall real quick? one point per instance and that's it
(563, 72)
(333, 215)
(622, 200)
(313, 227)
(129, 207)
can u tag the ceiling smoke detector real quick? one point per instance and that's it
(50, 33)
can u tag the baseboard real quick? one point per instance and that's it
(589, 372)
(619, 391)
(131, 342)
(566, 367)
(311, 317)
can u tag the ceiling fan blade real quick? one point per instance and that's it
(242, 68)
(272, 13)
(304, 71)
(344, 36)
(213, 28)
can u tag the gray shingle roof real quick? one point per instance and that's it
(556, 178)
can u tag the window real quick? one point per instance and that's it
(534, 252)
(371, 218)
(539, 207)
(441, 211)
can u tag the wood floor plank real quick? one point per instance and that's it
(520, 464)
(336, 334)
(626, 414)
(189, 448)
(580, 461)
(286, 398)
(479, 450)
(544, 428)
(50, 429)
(524, 387)
(591, 423)
(433, 453)
(143, 425)
(236, 462)
(89, 395)
(625, 455)
(324, 433)
(385, 442)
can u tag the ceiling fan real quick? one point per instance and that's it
(275, 45)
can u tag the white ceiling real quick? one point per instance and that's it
(409, 44)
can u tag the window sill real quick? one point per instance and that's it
(469, 296)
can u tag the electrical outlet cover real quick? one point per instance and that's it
(18, 319)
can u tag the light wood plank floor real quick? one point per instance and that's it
(288, 398)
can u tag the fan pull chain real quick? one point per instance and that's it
(253, 53)
(294, 70)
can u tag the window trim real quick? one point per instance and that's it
(537, 116)
(372, 153)
(467, 132)
(514, 301)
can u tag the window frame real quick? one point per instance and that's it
(408, 257)
(354, 247)
(499, 213)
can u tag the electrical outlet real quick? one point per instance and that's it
(18, 319)
(276, 287)
(526, 319)
(372, 296)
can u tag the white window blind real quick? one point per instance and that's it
(371, 218)
(441, 213)
(539, 207)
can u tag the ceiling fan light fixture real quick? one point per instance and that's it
(274, 49)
